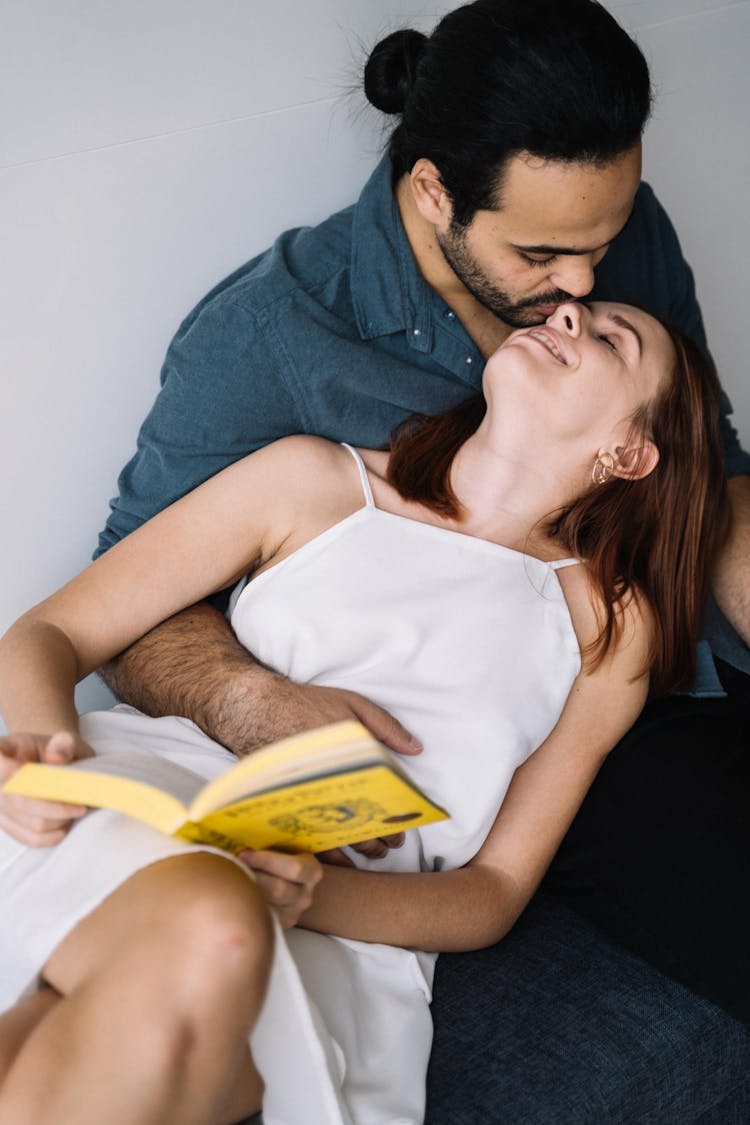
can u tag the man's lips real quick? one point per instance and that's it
(551, 341)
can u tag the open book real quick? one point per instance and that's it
(317, 790)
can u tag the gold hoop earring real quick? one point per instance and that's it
(603, 468)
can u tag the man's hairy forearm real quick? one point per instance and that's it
(192, 665)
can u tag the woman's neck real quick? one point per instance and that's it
(507, 497)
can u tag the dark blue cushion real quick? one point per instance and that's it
(557, 1026)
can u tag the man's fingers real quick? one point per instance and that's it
(373, 849)
(385, 727)
(337, 857)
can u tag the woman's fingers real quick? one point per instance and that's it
(37, 823)
(287, 881)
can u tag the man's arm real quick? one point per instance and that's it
(731, 584)
(194, 666)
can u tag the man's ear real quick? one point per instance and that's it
(431, 198)
(637, 461)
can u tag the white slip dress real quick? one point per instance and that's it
(471, 645)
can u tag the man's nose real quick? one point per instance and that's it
(575, 275)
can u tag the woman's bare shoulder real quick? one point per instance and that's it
(633, 617)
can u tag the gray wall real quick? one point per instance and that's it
(148, 147)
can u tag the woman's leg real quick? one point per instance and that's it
(18, 1022)
(159, 988)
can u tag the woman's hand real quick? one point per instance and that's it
(287, 881)
(36, 823)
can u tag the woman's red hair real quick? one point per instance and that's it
(656, 538)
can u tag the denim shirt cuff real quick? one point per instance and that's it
(706, 683)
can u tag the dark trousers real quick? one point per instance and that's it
(658, 856)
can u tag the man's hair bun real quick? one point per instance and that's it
(390, 70)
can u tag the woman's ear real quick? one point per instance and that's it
(635, 462)
(430, 196)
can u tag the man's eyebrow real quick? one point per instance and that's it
(616, 318)
(555, 251)
(571, 251)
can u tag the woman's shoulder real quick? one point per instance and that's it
(307, 484)
(633, 617)
(303, 465)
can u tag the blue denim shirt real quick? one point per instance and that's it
(333, 331)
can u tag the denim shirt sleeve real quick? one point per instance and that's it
(222, 395)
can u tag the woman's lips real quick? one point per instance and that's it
(551, 342)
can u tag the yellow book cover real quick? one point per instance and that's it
(321, 789)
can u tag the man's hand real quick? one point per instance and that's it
(373, 849)
(287, 881)
(731, 584)
(291, 708)
(193, 665)
(38, 824)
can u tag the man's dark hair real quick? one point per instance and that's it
(556, 78)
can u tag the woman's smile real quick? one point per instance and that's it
(549, 338)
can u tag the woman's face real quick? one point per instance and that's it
(578, 379)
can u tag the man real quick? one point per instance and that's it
(511, 185)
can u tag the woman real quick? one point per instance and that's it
(505, 581)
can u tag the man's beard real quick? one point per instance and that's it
(518, 314)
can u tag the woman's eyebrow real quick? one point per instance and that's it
(616, 318)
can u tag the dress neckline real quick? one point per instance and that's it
(554, 564)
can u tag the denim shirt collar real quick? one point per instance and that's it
(388, 293)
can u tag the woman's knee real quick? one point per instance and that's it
(224, 930)
(188, 920)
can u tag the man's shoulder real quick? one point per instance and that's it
(302, 260)
(316, 263)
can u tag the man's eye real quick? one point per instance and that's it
(538, 261)
(609, 342)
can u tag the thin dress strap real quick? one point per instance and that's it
(560, 564)
(369, 502)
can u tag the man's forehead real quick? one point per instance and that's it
(549, 206)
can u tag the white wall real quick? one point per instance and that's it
(147, 147)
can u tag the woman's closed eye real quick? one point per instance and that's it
(608, 341)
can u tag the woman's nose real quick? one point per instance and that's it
(567, 318)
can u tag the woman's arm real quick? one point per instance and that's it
(257, 509)
(202, 543)
(477, 905)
